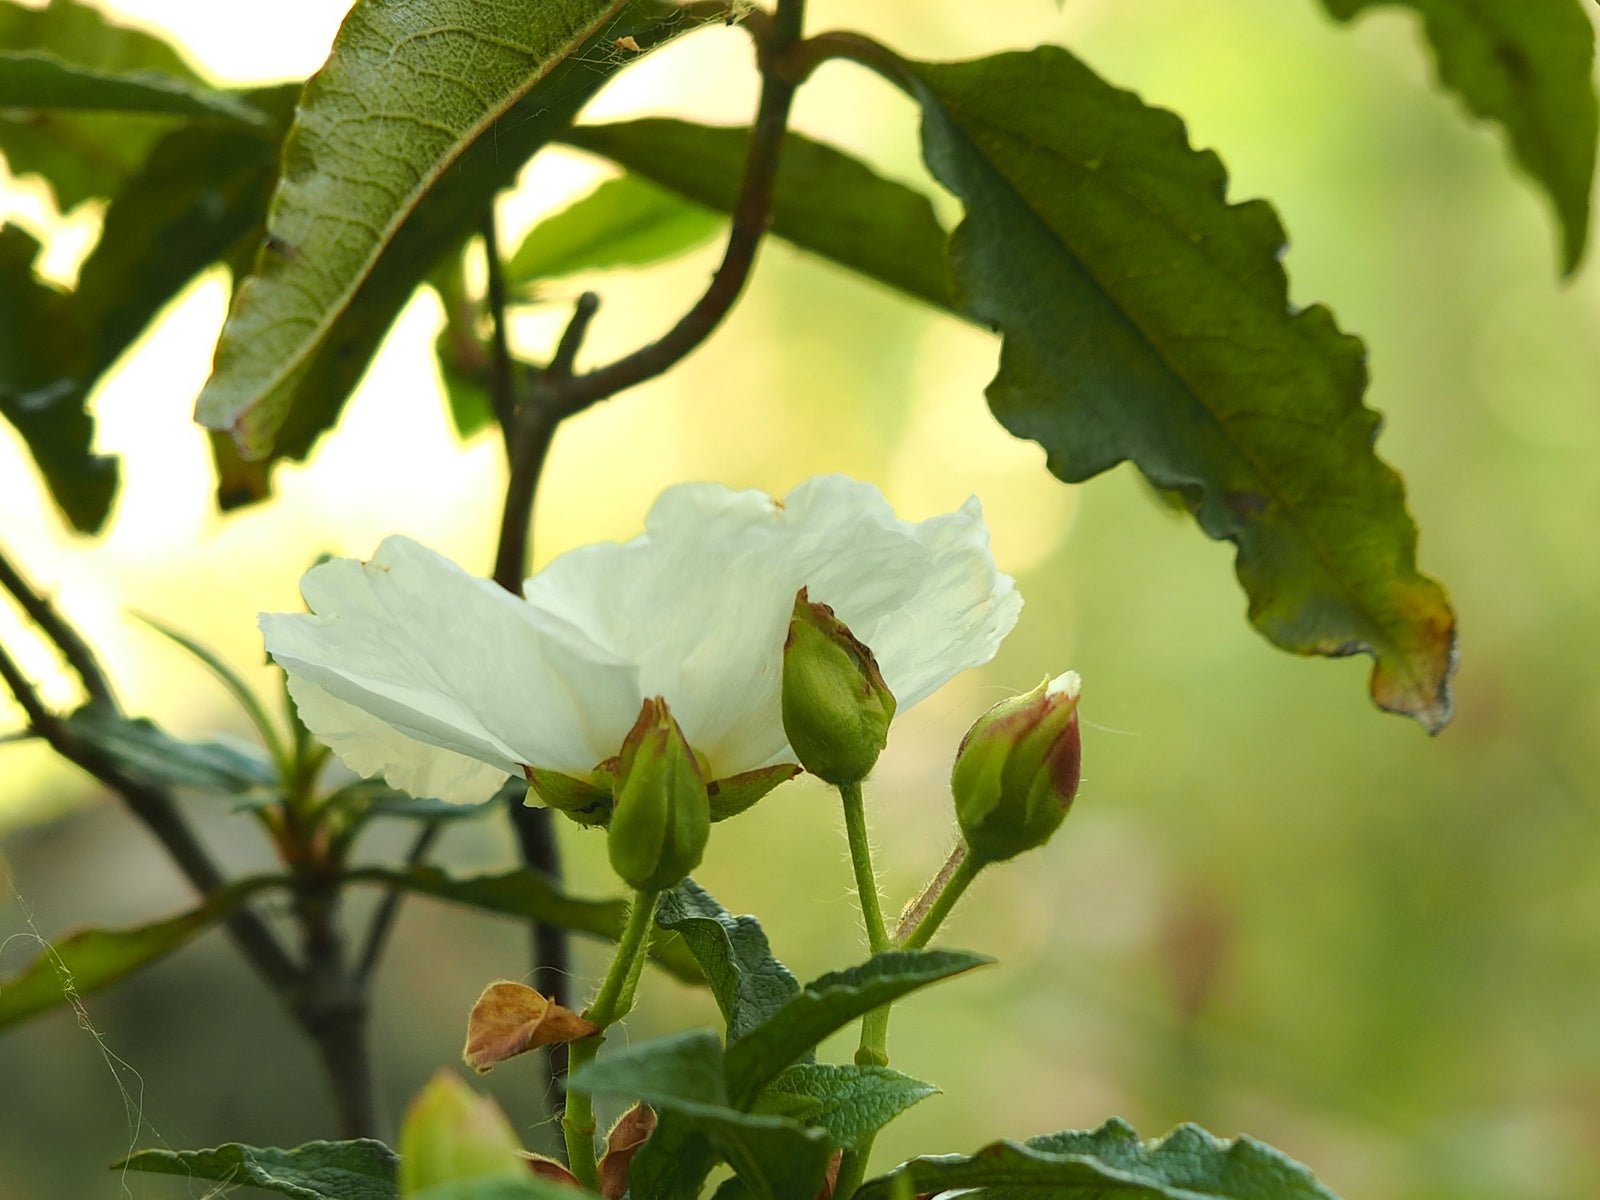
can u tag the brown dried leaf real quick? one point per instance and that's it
(632, 1130)
(831, 1179)
(511, 1019)
(545, 1167)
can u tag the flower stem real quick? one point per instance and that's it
(611, 1003)
(951, 883)
(855, 827)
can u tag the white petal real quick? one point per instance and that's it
(702, 600)
(452, 660)
(370, 748)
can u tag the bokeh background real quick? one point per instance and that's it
(1274, 910)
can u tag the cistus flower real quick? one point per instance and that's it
(1017, 771)
(410, 667)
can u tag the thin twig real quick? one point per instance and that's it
(389, 907)
(751, 216)
(560, 368)
(66, 639)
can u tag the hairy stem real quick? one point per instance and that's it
(919, 907)
(953, 886)
(611, 1003)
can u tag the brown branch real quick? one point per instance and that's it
(389, 907)
(38, 609)
(751, 215)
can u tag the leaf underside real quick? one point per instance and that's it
(421, 113)
(1145, 318)
(1528, 66)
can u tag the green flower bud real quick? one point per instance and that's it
(836, 707)
(662, 818)
(1017, 771)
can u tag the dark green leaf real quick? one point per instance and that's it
(357, 1170)
(423, 111)
(680, 1071)
(1145, 318)
(373, 798)
(626, 222)
(30, 79)
(529, 895)
(748, 982)
(829, 1003)
(82, 154)
(466, 366)
(682, 1075)
(1188, 1164)
(143, 751)
(825, 201)
(199, 195)
(851, 1102)
(92, 959)
(1527, 65)
(41, 358)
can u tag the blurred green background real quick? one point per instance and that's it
(1274, 910)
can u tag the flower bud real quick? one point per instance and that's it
(662, 818)
(836, 707)
(1017, 771)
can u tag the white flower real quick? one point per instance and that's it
(445, 683)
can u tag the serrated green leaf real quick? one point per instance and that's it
(749, 983)
(424, 109)
(41, 358)
(356, 1170)
(625, 222)
(30, 79)
(824, 200)
(677, 1158)
(83, 154)
(531, 896)
(1528, 66)
(682, 1075)
(850, 1101)
(679, 1071)
(1188, 1164)
(828, 1003)
(144, 751)
(91, 959)
(1147, 319)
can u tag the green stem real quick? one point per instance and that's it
(855, 827)
(611, 1004)
(955, 884)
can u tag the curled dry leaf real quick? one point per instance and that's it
(511, 1019)
(831, 1179)
(545, 1167)
(632, 1130)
